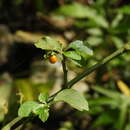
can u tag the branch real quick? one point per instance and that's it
(64, 71)
(12, 123)
(87, 71)
(80, 76)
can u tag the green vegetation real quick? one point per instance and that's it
(90, 70)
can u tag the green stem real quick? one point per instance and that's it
(87, 71)
(12, 123)
(52, 96)
(16, 123)
(78, 78)
(64, 71)
(122, 117)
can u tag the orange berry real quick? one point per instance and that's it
(53, 59)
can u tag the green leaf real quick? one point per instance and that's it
(127, 127)
(76, 49)
(103, 101)
(73, 55)
(95, 110)
(116, 20)
(95, 31)
(102, 120)
(80, 48)
(77, 10)
(123, 116)
(94, 40)
(42, 111)
(80, 63)
(74, 10)
(43, 97)
(125, 9)
(117, 41)
(73, 98)
(44, 115)
(121, 28)
(47, 43)
(26, 108)
(106, 92)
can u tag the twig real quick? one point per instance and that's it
(65, 72)
(65, 80)
(12, 123)
(87, 71)
(80, 76)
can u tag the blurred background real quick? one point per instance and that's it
(103, 24)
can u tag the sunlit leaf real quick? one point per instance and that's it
(123, 87)
(117, 41)
(73, 55)
(77, 10)
(26, 108)
(116, 20)
(47, 43)
(94, 40)
(73, 98)
(80, 48)
(95, 31)
(42, 111)
(43, 97)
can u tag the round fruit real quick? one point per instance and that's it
(53, 59)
